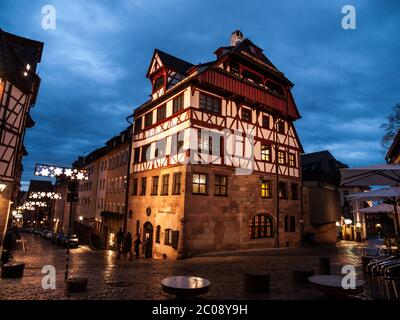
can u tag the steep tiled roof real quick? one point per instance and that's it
(15, 53)
(173, 62)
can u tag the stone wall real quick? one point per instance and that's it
(216, 223)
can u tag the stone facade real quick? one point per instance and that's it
(228, 128)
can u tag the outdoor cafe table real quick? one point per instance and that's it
(185, 286)
(331, 285)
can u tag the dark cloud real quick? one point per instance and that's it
(93, 67)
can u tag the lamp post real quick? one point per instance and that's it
(72, 177)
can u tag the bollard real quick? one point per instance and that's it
(12, 270)
(324, 266)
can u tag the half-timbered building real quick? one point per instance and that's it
(19, 87)
(215, 155)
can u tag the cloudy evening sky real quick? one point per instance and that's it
(94, 64)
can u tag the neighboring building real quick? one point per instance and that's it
(324, 200)
(87, 219)
(101, 201)
(19, 86)
(40, 217)
(195, 186)
(393, 154)
(113, 184)
(61, 208)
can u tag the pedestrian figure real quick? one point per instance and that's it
(137, 244)
(128, 242)
(120, 239)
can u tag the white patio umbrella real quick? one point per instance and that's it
(392, 194)
(377, 175)
(380, 208)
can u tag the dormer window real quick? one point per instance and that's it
(234, 68)
(158, 83)
(252, 77)
(276, 88)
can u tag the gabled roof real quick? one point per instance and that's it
(171, 62)
(15, 53)
(249, 50)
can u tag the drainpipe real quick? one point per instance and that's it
(277, 183)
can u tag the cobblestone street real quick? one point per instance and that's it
(110, 278)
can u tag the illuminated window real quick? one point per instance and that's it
(246, 114)
(199, 183)
(165, 184)
(221, 185)
(292, 159)
(210, 103)
(168, 237)
(266, 189)
(265, 152)
(154, 187)
(178, 103)
(282, 192)
(281, 157)
(261, 226)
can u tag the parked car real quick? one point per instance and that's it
(48, 234)
(73, 241)
(57, 238)
(42, 233)
(37, 231)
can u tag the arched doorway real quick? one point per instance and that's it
(147, 241)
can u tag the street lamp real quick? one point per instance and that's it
(2, 186)
(80, 218)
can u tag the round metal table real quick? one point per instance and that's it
(331, 285)
(185, 286)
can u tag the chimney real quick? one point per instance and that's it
(236, 37)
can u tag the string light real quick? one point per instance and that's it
(45, 195)
(56, 171)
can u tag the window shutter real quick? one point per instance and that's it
(175, 238)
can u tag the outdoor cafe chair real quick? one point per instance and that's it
(392, 277)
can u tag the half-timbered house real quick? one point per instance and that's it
(215, 155)
(19, 87)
